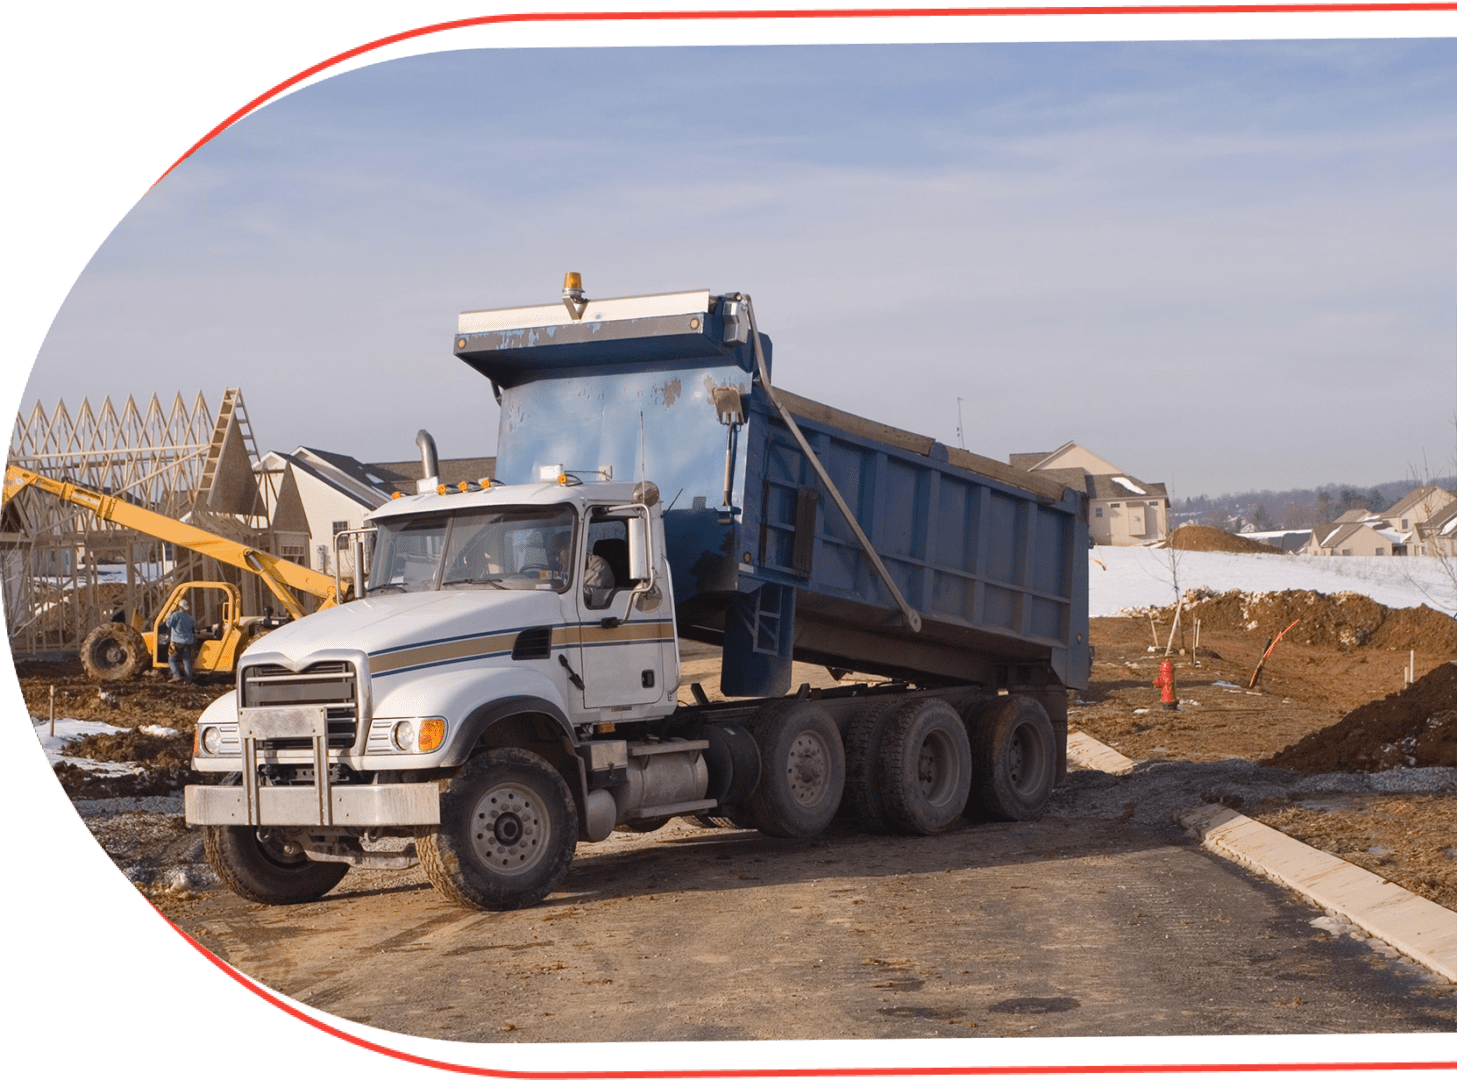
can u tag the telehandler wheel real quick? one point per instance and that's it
(803, 774)
(113, 652)
(925, 767)
(507, 833)
(862, 765)
(260, 870)
(1015, 760)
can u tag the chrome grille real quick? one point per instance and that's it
(333, 684)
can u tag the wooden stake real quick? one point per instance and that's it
(53, 710)
(1153, 629)
(1178, 610)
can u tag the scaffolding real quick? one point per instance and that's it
(65, 571)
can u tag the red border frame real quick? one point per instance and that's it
(1361, 6)
(829, 13)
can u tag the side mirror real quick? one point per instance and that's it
(637, 548)
(356, 549)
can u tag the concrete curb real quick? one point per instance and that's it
(1413, 925)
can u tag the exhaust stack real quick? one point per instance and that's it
(429, 464)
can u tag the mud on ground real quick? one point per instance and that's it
(1333, 699)
(1324, 702)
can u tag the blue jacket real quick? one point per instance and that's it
(182, 627)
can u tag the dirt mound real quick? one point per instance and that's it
(1420, 628)
(1415, 727)
(1208, 538)
(156, 751)
(1340, 621)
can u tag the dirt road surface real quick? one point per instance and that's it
(1060, 927)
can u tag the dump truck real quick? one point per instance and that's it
(506, 684)
(116, 651)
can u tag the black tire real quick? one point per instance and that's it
(925, 767)
(260, 871)
(1014, 757)
(803, 770)
(863, 739)
(114, 652)
(507, 833)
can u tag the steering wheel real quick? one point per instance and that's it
(536, 566)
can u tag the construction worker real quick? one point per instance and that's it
(181, 635)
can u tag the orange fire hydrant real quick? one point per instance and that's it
(1165, 681)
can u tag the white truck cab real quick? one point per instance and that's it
(544, 605)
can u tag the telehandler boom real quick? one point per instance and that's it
(109, 651)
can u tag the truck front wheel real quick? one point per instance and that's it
(262, 871)
(507, 833)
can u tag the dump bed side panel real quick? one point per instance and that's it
(993, 569)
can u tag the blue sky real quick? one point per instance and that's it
(1220, 265)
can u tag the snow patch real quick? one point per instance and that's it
(69, 731)
(1124, 482)
(1139, 578)
(158, 730)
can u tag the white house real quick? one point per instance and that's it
(1122, 509)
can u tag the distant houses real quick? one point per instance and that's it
(1422, 522)
(1122, 509)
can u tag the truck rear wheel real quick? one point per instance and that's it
(1015, 759)
(507, 832)
(803, 770)
(113, 652)
(261, 871)
(925, 767)
(863, 740)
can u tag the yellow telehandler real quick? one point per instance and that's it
(118, 650)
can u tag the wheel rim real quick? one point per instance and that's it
(937, 773)
(270, 846)
(808, 768)
(107, 654)
(1024, 760)
(509, 829)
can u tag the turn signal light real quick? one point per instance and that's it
(432, 734)
(463, 485)
(397, 495)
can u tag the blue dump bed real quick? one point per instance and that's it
(993, 559)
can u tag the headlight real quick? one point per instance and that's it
(212, 740)
(417, 735)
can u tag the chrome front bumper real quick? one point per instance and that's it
(350, 805)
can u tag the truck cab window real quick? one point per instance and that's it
(501, 548)
(607, 562)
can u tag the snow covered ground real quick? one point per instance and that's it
(68, 730)
(1139, 576)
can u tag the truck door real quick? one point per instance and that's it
(622, 647)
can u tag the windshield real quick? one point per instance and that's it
(514, 547)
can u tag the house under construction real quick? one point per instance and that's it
(66, 570)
